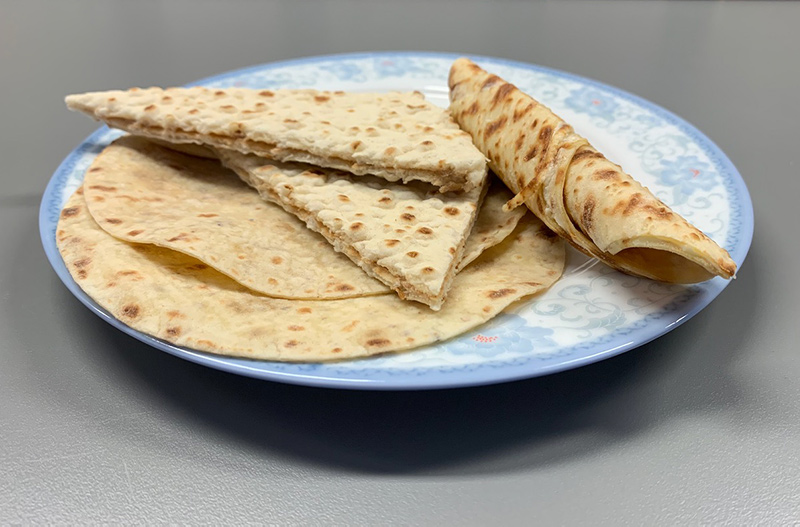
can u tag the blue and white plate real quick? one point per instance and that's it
(590, 314)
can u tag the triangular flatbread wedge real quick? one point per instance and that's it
(410, 237)
(396, 136)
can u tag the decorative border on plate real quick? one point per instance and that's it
(737, 241)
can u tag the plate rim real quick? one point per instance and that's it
(460, 376)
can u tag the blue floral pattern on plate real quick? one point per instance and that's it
(592, 313)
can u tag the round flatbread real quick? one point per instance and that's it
(177, 298)
(141, 192)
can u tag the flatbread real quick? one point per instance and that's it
(396, 136)
(174, 297)
(494, 223)
(574, 189)
(140, 192)
(410, 237)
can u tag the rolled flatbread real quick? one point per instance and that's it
(574, 189)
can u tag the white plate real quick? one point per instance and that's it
(590, 314)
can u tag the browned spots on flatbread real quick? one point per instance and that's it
(534, 124)
(184, 236)
(355, 226)
(219, 93)
(412, 254)
(452, 250)
(545, 134)
(378, 343)
(452, 211)
(207, 215)
(113, 221)
(487, 309)
(496, 125)
(70, 211)
(135, 232)
(695, 236)
(428, 129)
(392, 243)
(130, 310)
(343, 198)
(491, 81)
(355, 145)
(344, 287)
(304, 310)
(584, 154)
(104, 188)
(472, 110)
(660, 212)
(634, 202)
(427, 143)
(266, 93)
(295, 327)
(95, 169)
(150, 107)
(272, 281)
(500, 293)
(606, 174)
(277, 260)
(83, 262)
(228, 107)
(336, 350)
(389, 151)
(587, 214)
(241, 257)
(291, 343)
(385, 199)
(206, 343)
(503, 92)
(198, 267)
(173, 331)
(166, 98)
(519, 142)
(531, 153)
(175, 314)
(194, 111)
(407, 216)
(350, 327)
(428, 270)
(425, 230)
(521, 112)
(321, 98)
(532, 284)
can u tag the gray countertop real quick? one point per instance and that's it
(699, 426)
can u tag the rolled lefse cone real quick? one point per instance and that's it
(574, 189)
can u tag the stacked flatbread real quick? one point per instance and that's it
(303, 225)
(177, 246)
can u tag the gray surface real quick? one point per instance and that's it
(700, 426)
